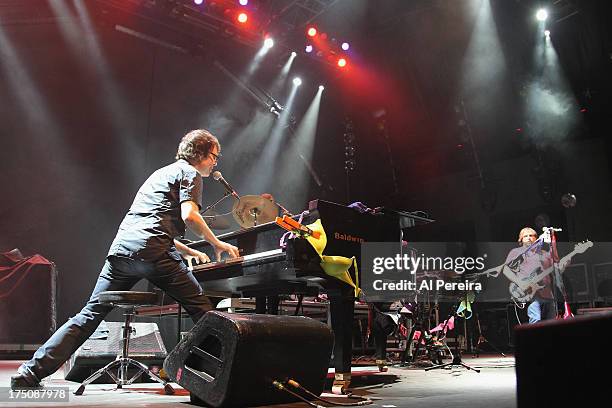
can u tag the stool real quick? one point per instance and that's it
(127, 300)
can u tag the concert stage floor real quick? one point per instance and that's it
(495, 385)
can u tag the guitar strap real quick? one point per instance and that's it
(515, 263)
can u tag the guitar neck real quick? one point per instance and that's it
(562, 261)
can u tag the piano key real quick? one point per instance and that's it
(244, 260)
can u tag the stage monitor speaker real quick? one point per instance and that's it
(232, 359)
(562, 363)
(146, 346)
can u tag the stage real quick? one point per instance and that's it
(400, 172)
(495, 385)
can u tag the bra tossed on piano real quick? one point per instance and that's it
(335, 266)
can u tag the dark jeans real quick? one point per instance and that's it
(118, 273)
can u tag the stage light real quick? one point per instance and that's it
(312, 31)
(242, 18)
(268, 43)
(542, 15)
(345, 46)
(341, 62)
(547, 33)
(243, 2)
(293, 53)
(297, 81)
(321, 87)
(198, 2)
(308, 48)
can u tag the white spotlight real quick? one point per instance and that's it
(297, 81)
(547, 33)
(293, 54)
(269, 43)
(321, 87)
(542, 14)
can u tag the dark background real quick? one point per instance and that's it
(83, 122)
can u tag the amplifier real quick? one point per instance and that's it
(27, 301)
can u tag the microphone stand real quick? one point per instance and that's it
(227, 193)
(557, 277)
(457, 354)
(283, 209)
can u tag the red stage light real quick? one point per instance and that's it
(312, 31)
(341, 62)
(242, 18)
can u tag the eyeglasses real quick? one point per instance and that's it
(215, 156)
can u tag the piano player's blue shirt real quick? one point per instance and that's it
(154, 219)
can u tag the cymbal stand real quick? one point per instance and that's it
(283, 209)
(254, 212)
(227, 193)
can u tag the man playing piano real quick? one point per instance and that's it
(145, 247)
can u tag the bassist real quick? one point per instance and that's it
(526, 264)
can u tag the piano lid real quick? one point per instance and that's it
(407, 219)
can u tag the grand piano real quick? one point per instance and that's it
(266, 269)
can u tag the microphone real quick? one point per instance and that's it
(218, 177)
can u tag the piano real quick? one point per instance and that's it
(266, 269)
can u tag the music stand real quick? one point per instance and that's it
(457, 354)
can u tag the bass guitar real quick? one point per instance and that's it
(523, 289)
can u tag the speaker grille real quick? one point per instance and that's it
(105, 344)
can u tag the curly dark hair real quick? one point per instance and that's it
(196, 145)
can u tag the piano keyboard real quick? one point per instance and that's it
(241, 260)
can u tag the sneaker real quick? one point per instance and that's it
(20, 381)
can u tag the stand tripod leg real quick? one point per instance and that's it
(456, 361)
(167, 387)
(492, 346)
(468, 367)
(106, 369)
(439, 366)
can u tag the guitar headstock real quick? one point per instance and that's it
(583, 246)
